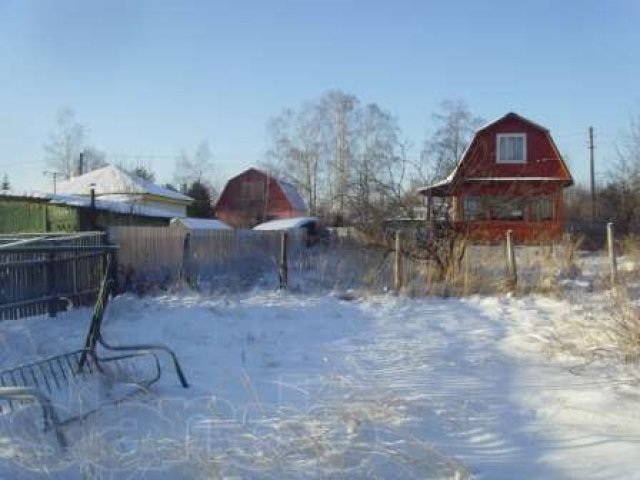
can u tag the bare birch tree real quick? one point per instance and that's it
(67, 142)
(341, 155)
(295, 151)
(195, 167)
(62, 151)
(455, 125)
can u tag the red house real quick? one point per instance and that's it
(510, 177)
(254, 196)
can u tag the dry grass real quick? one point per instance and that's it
(448, 266)
(606, 331)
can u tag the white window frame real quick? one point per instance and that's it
(499, 136)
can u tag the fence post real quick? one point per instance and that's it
(512, 271)
(397, 264)
(612, 254)
(186, 250)
(50, 284)
(283, 261)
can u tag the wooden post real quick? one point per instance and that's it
(512, 271)
(612, 254)
(50, 284)
(397, 264)
(283, 270)
(186, 252)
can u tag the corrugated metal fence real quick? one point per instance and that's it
(150, 257)
(40, 273)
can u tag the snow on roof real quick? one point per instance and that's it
(114, 181)
(515, 179)
(200, 223)
(292, 195)
(286, 223)
(126, 208)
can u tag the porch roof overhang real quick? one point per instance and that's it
(438, 189)
(444, 188)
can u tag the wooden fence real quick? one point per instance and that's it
(161, 256)
(41, 273)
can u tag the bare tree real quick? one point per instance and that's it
(344, 157)
(196, 167)
(295, 151)
(93, 159)
(620, 199)
(455, 125)
(339, 113)
(62, 151)
(65, 145)
(377, 162)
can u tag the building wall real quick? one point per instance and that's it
(543, 159)
(527, 230)
(32, 216)
(179, 210)
(242, 205)
(27, 216)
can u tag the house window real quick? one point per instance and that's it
(542, 208)
(512, 148)
(505, 208)
(472, 209)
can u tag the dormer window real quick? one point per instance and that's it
(512, 148)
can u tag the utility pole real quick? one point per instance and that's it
(80, 164)
(593, 179)
(54, 176)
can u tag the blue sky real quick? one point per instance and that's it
(149, 78)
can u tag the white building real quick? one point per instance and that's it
(113, 184)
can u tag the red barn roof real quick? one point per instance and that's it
(254, 196)
(478, 161)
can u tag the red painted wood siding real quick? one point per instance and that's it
(236, 210)
(480, 161)
(543, 159)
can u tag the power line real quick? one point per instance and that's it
(20, 164)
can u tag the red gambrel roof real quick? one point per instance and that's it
(444, 187)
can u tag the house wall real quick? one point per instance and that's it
(543, 159)
(525, 231)
(237, 209)
(178, 210)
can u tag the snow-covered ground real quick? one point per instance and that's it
(302, 386)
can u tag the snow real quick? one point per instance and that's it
(294, 198)
(289, 385)
(114, 182)
(514, 179)
(200, 224)
(286, 223)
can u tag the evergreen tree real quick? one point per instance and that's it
(6, 186)
(144, 173)
(201, 206)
